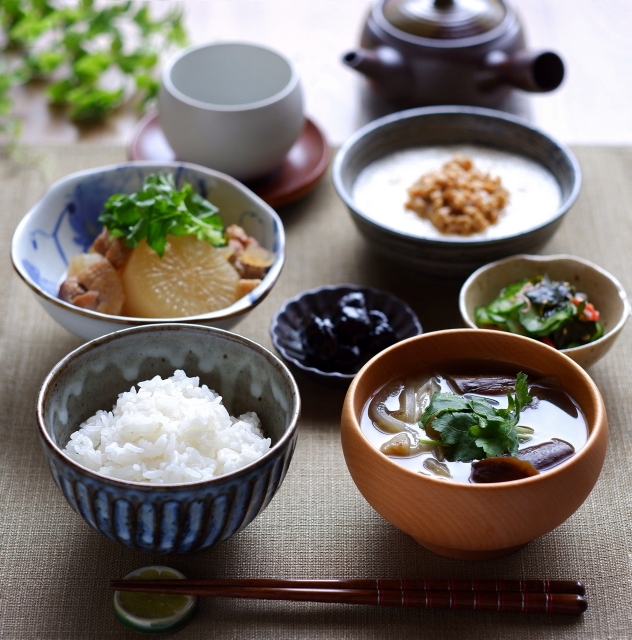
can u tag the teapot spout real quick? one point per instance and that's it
(385, 67)
(535, 71)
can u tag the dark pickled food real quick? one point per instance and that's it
(423, 425)
(547, 455)
(382, 334)
(551, 311)
(352, 322)
(503, 469)
(319, 335)
(347, 339)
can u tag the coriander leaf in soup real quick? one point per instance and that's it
(455, 433)
(157, 210)
(442, 402)
(482, 408)
(522, 397)
(496, 437)
(515, 403)
(472, 428)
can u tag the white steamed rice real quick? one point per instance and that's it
(169, 431)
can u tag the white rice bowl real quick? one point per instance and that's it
(168, 432)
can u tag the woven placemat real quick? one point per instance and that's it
(54, 569)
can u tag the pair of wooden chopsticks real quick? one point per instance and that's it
(562, 597)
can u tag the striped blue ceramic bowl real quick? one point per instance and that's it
(64, 222)
(176, 518)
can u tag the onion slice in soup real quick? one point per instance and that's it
(380, 415)
(414, 396)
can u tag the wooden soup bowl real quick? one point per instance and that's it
(472, 521)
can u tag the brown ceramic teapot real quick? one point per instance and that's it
(423, 52)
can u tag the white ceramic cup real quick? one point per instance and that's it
(234, 107)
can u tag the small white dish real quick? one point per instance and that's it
(64, 222)
(232, 106)
(604, 291)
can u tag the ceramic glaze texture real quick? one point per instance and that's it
(65, 222)
(604, 291)
(452, 126)
(288, 322)
(232, 106)
(169, 518)
(472, 521)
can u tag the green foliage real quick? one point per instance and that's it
(94, 55)
(159, 209)
(473, 429)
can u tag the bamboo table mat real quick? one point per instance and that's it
(54, 569)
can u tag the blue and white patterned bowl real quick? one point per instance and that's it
(65, 222)
(176, 518)
(436, 127)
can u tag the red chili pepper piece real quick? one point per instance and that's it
(590, 313)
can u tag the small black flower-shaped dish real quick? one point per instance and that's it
(330, 332)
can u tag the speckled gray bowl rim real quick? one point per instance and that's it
(341, 156)
(537, 258)
(212, 316)
(58, 369)
(335, 375)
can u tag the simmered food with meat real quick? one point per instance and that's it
(164, 253)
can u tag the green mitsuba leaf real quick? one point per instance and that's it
(522, 397)
(157, 210)
(455, 428)
(441, 403)
(472, 428)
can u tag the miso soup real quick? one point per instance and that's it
(550, 426)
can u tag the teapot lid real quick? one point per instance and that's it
(445, 19)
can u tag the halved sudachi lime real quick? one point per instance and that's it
(153, 613)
